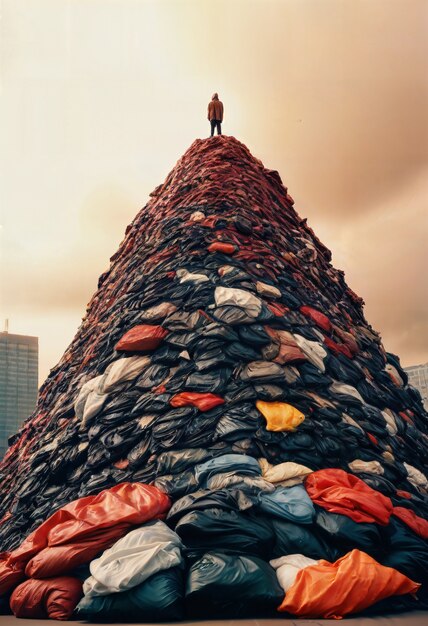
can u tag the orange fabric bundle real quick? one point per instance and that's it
(339, 492)
(202, 401)
(55, 598)
(142, 338)
(351, 584)
(416, 523)
(79, 527)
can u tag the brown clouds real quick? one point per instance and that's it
(383, 252)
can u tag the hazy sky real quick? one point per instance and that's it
(99, 99)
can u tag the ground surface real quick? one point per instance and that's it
(416, 618)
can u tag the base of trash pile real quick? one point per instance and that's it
(415, 618)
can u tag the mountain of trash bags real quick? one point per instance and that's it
(224, 434)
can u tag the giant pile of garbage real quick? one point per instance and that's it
(224, 432)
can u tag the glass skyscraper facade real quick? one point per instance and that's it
(19, 370)
(418, 377)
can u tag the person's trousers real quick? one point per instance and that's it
(215, 123)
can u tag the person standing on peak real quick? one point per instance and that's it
(215, 114)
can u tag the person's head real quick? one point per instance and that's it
(215, 96)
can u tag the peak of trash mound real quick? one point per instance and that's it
(224, 380)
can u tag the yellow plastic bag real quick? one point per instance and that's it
(280, 415)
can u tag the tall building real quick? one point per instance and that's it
(418, 377)
(19, 369)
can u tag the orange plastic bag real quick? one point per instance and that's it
(339, 492)
(55, 598)
(202, 401)
(84, 521)
(220, 246)
(351, 584)
(142, 338)
(280, 415)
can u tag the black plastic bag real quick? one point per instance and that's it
(227, 586)
(345, 534)
(407, 552)
(157, 599)
(291, 538)
(229, 531)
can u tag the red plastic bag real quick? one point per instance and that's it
(11, 573)
(337, 347)
(142, 338)
(57, 560)
(372, 439)
(55, 598)
(416, 523)
(84, 521)
(289, 351)
(351, 584)
(316, 316)
(203, 401)
(339, 492)
(347, 338)
(277, 308)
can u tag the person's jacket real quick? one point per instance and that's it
(215, 110)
